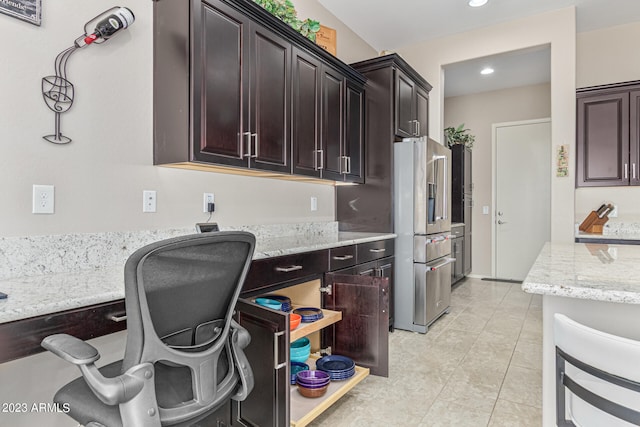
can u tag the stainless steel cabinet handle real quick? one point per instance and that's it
(321, 159)
(626, 171)
(442, 264)
(342, 257)
(117, 318)
(377, 251)
(348, 164)
(248, 138)
(417, 127)
(633, 170)
(255, 144)
(289, 269)
(276, 353)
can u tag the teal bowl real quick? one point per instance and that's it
(270, 303)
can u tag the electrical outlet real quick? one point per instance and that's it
(206, 199)
(314, 204)
(148, 201)
(43, 199)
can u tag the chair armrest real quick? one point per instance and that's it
(71, 349)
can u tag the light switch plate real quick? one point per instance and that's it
(485, 210)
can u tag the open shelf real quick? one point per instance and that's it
(304, 409)
(329, 317)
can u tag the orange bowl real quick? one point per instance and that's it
(312, 392)
(294, 321)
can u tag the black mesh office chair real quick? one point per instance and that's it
(184, 354)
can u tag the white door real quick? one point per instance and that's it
(522, 195)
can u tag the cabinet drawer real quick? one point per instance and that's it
(457, 231)
(342, 257)
(374, 250)
(22, 337)
(272, 271)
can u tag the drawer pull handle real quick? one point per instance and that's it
(117, 318)
(289, 269)
(342, 257)
(377, 251)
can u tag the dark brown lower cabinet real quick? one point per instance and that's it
(362, 334)
(268, 355)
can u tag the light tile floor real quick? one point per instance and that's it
(479, 365)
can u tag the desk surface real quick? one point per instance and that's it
(597, 272)
(51, 293)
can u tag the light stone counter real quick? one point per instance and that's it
(587, 271)
(65, 272)
(597, 285)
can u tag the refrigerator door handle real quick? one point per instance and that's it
(444, 186)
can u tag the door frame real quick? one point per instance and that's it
(494, 184)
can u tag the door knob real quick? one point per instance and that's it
(502, 222)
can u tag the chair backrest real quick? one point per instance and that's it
(180, 295)
(601, 371)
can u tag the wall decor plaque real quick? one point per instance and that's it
(27, 10)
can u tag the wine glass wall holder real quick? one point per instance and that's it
(58, 92)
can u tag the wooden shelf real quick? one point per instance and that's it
(304, 409)
(330, 317)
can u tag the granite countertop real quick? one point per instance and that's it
(36, 295)
(588, 271)
(629, 235)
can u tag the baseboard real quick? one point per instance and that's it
(496, 279)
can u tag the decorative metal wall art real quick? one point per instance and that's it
(57, 91)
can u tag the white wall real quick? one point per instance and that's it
(608, 56)
(557, 29)
(478, 112)
(100, 176)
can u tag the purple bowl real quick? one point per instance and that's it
(313, 387)
(313, 377)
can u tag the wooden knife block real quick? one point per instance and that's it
(593, 224)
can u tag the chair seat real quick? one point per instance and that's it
(584, 415)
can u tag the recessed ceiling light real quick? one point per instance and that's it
(486, 71)
(477, 3)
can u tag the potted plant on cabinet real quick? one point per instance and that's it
(286, 12)
(459, 135)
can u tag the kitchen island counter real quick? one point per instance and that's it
(594, 284)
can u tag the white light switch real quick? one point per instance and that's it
(148, 201)
(43, 199)
(485, 210)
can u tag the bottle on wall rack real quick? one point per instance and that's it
(107, 27)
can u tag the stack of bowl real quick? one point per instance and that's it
(300, 350)
(312, 383)
(285, 301)
(295, 368)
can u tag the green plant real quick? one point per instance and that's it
(286, 12)
(459, 135)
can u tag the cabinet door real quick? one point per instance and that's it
(220, 75)
(268, 355)
(362, 334)
(466, 252)
(385, 269)
(405, 113)
(603, 140)
(422, 111)
(305, 111)
(270, 119)
(354, 134)
(634, 136)
(332, 124)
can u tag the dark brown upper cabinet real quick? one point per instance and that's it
(236, 87)
(328, 121)
(411, 107)
(607, 136)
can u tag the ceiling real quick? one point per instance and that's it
(393, 25)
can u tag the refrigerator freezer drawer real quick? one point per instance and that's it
(432, 291)
(431, 247)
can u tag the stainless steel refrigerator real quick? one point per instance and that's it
(422, 222)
